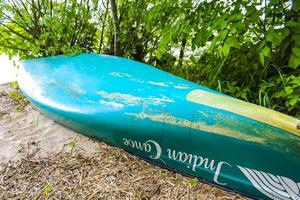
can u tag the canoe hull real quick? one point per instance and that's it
(169, 121)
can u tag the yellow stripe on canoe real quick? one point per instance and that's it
(246, 109)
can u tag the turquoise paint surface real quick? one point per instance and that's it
(145, 111)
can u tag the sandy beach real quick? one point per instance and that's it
(40, 159)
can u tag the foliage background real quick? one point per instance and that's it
(247, 49)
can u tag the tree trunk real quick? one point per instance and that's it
(114, 16)
(182, 48)
(103, 27)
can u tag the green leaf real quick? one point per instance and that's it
(48, 188)
(272, 2)
(221, 24)
(238, 16)
(296, 5)
(266, 52)
(293, 102)
(295, 26)
(288, 90)
(292, 23)
(14, 85)
(274, 37)
(230, 42)
(202, 37)
(285, 32)
(159, 53)
(238, 27)
(261, 58)
(296, 39)
(294, 61)
(296, 81)
(193, 182)
(162, 46)
(224, 51)
(72, 144)
(296, 51)
(222, 35)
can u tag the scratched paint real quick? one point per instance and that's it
(202, 126)
(181, 86)
(112, 104)
(119, 74)
(225, 127)
(131, 100)
(162, 84)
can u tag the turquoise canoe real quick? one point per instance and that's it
(169, 121)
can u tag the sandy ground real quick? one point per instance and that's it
(8, 71)
(40, 159)
(25, 131)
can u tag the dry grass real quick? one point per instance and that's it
(110, 174)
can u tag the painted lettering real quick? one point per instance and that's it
(192, 161)
(181, 156)
(148, 146)
(199, 161)
(217, 173)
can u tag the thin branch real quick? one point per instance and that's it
(15, 8)
(26, 9)
(18, 24)
(15, 32)
(14, 47)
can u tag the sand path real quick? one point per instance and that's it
(27, 131)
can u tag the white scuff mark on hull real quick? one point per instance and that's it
(158, 101)
(112, 104)
(162, 84)
(120, 74)
(117, 97)
(130, 100)
(151, 82)
(137, 80)
(76, 89)
(182, 86)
